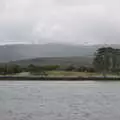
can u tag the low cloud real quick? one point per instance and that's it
(66, 21)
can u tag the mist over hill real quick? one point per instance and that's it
(31, 51)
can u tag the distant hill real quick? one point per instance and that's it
(31, 51)
(63, 61)
(19, 52)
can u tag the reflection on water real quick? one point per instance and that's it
(59, 100)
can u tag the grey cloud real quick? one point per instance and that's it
(69, 21)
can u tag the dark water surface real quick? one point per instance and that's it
(59, 100)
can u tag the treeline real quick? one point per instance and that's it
(106, 59)
(79, 68)
(33, 69)
(10, 69)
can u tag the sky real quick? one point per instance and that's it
(60, 21)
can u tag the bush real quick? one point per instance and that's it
(85, 69)
(82, 69)
(11, 69)
(50, 67)
(90, 69)
(70, 68)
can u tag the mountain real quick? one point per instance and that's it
(31, 51)
(62, 61)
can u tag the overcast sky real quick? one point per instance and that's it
(69, 21)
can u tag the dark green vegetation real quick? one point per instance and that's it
(10, 69)
(106, 60)
(43, 70)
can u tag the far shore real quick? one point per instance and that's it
(37, 78)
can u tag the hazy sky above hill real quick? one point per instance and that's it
(69, 21)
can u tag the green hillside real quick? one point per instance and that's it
(56, 61)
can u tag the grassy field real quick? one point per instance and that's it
(63, 74)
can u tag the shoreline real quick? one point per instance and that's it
(35, 78)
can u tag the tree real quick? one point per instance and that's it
(16, 69)
(2, 70)
(32, 68)
(70, 68)
(50, 67)
(82, 69)
(116, 59)
(5, 69)
(36, 70)
(106, 59)
(102, 60)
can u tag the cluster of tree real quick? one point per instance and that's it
(80, 68)
(33, 69)
(11, 69)
(37, 69)
(107, 59)
(14, 69)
